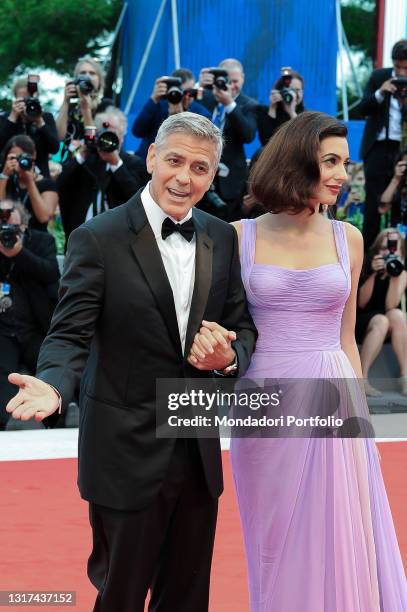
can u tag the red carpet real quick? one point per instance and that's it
(45, 538)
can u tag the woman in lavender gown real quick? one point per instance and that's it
(318, 530)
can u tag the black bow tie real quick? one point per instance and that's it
(186, 229)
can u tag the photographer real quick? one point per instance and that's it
(384, 105)
(168, 98)
(19, 181)
(100, 175)
(286, 102)
(27, 117)
(28, 293)
(382, 284)
(235, 114)
(394, 198)
(83, 99)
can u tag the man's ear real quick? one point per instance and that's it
(150, 160)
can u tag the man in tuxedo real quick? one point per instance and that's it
(384, 110)
(151, 289)
(235, 115)
(94, 180)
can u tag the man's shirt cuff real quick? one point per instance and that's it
(379, 96)
(230, 107)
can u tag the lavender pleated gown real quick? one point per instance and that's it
(318, 530)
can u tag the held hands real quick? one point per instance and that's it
(35, 398)
(211, 349)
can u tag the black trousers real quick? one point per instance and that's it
(379, 168)
(13, 352)
(166, 547)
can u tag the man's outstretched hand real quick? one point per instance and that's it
(35, 398)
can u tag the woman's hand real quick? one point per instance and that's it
(27, 177)
(11, 165)
(378, 264)
(275, 98)
(70, 92)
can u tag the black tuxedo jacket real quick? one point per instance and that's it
(78, 183)
(240, 128)
(377, 115)
(36, 271)
(115, 330)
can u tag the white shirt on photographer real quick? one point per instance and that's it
(394, 116)
(100, 204)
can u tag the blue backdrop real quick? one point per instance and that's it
(263, 34)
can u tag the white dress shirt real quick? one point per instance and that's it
(394, 116)
(178, 257)
(101, 205)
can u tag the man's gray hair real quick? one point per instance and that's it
(231, 63)
(192, 125)
(112, 114)
(24, 214)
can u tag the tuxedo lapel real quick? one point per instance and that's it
(148, 255)
(203, 279)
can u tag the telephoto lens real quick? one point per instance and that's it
(107, 141)
(9, 235)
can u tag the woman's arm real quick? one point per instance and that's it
(365, 291)
(348, 342)
(43, 204)
(388, 194)
(397, 287)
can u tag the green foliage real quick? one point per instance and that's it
(55, 228)
(358, 18)
(52, 33)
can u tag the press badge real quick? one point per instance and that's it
(5, 299)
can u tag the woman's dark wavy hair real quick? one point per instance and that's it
(287, 173)
(25, 143)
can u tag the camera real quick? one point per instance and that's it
(285, 90)
(192, 92)
(401, 85)
(25, 161)
(221, 78)
(103, 139)
(174, 93)
(84, 83)
(213, 204)
(32, 104)
(32, 107)
(394, 265)
(9, 235)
